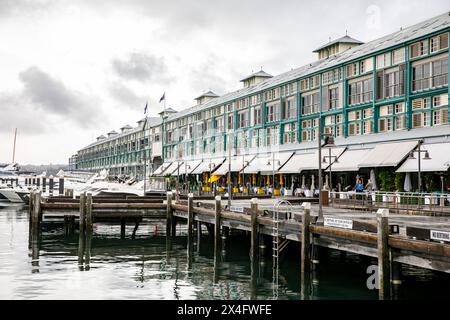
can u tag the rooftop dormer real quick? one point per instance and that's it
(206, 97)
(167, 112)
(112, 133)
(102, 137)
(126, 128)
(255, 78)
(337, 46)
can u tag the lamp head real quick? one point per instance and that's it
(411, 155)
(427, 156)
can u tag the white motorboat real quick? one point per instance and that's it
(16, 194)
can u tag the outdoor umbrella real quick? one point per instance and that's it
(407, 185)
(303, 182)
(373, 178)
(312, 183)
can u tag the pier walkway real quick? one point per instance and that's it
(393, 239)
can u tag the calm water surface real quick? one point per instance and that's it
(144, 268)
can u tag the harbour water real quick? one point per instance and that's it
(148, 267)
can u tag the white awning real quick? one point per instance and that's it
(388, 154)
(173, 168)
(308, 161)
(350, 160)
(187, 167)
(440, 159)
(264, 164)
(237, 163)
(161, 169)
(207, 165)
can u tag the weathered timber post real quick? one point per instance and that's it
(123, 224)
(254, 229)
(61, 186)
(174, 219)
(305, 262)
(169, 214)
(383, 253)
(30, 205)
(66, 225)
(36, 214)
(190, 222)
(87, 253)
(89, 212)
(254, 247)
(44, 184)
(50, 185)
(199, 234)
(305, 265)
(217, 240)
(396, 274)
(82, 221)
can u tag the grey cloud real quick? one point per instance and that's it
(45, 103)
(52, 96)
(20, 7)
(17, 113)
(143, 67)
(126, 96)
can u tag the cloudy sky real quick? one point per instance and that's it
(72, 70)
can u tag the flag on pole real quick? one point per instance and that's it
(145, 109)
(163, 97)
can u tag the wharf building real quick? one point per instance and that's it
(380, 100)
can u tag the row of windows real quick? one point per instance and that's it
(289, 111)
(425, 76)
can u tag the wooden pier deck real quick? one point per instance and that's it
(394, 239)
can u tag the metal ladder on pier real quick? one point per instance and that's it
(278, 246)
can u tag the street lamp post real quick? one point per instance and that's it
(329, 141)
(426, 157)
(330, 164)
(273, 170)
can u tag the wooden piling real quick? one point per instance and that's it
(89, 212)
(123, 224)
(217, 240)
(50, 185)
(396, 278)
(305, 264)
(30, 205)
(35, 220)
(169, 216)
(383, 253)
(190, 220)
(254, 229)
(61, 186)
(82, 221)
(199, 234)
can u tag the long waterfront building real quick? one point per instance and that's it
(393, 89)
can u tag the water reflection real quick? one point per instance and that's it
(151, 265)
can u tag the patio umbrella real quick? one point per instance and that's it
(373, 178)
(312, 183)
(303, 182)
(326, 182)
(407, 185)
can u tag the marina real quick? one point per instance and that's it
(393, 240)
(328, 179)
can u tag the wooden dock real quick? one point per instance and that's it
(392, 239)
